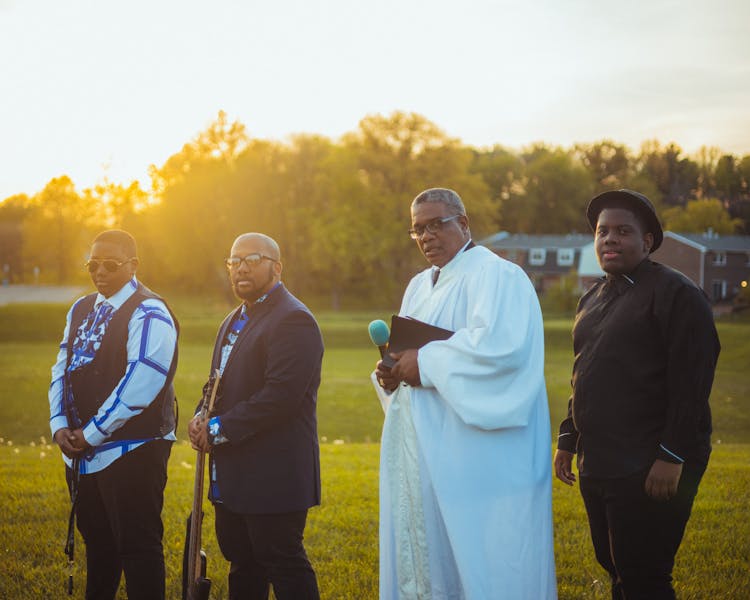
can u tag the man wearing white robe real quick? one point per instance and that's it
(465, 483)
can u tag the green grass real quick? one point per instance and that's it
(342, 533)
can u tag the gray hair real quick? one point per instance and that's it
(444, 196)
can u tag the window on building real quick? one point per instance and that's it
(565, 256)
(718, 289)
(720, 259)
(537, 256)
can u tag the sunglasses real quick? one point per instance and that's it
(109, 264)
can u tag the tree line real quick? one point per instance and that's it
(340, 209)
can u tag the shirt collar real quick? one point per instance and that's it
(632, 277)
(453, 261)
(117, 299)
(262, 299)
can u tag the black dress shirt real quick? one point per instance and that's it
(645, 353)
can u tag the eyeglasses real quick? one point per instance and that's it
(251, 260)
(110, 265)
(432, 227)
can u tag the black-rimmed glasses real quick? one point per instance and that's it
(111, 265)
(251, 260)
(432, 227)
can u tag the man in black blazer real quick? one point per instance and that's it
(262, 435)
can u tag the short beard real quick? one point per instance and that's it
(255, 293)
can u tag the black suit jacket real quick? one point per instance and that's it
(268, 395)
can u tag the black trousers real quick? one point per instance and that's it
(119, 517)
(265, 550)
(635, 537)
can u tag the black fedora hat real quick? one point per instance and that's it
(636, 202)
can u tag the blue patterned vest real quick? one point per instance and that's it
(92, 384)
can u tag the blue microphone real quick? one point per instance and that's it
(379, 334)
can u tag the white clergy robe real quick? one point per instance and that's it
(465, 476)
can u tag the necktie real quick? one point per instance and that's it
(89, 335)
(435, 275)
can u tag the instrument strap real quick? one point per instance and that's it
(70, 542)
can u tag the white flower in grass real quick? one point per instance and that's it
(42, 440)
(338, 442)
(16, 450)
(42, 454)
(324, 439)
(32, 444)
(10, 442)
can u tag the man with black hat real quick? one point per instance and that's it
(645, 353)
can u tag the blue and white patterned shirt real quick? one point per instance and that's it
(152, 340)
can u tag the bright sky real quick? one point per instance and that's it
(95, 88)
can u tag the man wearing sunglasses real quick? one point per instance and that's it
(112, 415)
(262, 438)
(465, 488)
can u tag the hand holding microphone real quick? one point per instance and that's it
(379, 334)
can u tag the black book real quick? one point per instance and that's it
(411, 333)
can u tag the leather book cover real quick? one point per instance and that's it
(411, 333)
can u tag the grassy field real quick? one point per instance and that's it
(342, 533)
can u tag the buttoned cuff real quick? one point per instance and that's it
(667, 455)
(58, 423)
(93, 436)
(567, 442)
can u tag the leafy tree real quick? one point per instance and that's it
(58, 231)
(340, 210)
(502, 172)
(221, 142)
(706, 159)
(118, 203)
(676, 178)
(13, 210)
(190, 227)
(338, 225)
(743, 168)
(397, 157)
(305, 210)
(556, 190)
(728, 179)
(607, 162)
(699, 216)
(741, 208)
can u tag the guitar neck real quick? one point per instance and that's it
(196, 518)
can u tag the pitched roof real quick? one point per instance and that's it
(522, 241)
(713, 241)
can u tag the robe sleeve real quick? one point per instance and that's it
(491, 372)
